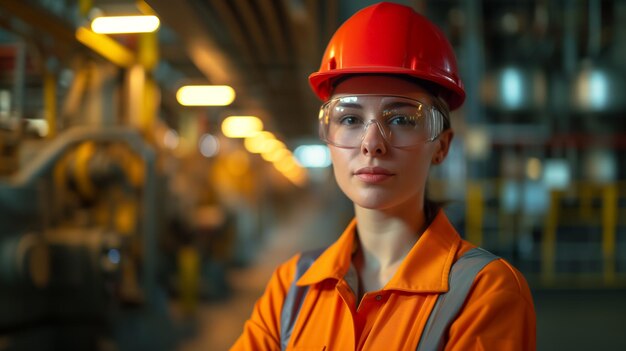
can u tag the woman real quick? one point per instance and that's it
(399, 277)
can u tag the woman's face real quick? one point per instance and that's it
(377, 175)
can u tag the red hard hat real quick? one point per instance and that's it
(390, 38)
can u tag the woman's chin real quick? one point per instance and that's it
(373, 202)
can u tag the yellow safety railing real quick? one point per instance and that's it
(583, 205)
(609, 229)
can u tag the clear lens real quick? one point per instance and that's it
(402, 121)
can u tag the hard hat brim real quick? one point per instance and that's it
(322, 82)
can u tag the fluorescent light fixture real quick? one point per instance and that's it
(205, 95)
(125, 24)
(241, 126)
(313, 156)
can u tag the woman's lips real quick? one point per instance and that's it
(373, 174)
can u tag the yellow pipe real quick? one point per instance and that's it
(586, 201)
(106, 47)
(189, 278)
(84, 153)
(609, 226)
(148, 57)
(150, 105)
(148, 50)
(50, 102)
(84, 6)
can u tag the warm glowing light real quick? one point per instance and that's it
(272, 145)
(254, 143)
(238, 163)
(478, 143)
(241, 126)
(533, 168)
(205, 95)
(276, 155)
(125, 24)
(40, 126)
(285, 165)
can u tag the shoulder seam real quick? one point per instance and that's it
(514, 273)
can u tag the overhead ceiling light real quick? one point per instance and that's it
(241, 126)
(125, 24)
(205, 95)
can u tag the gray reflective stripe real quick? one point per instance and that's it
(295, 297)
(449, 304)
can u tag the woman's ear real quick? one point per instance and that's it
(442, 142)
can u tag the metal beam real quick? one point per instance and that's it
(202, 49)
(43, 21)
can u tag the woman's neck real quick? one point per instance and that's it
(386, 237)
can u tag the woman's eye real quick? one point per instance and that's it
(349, 120)
(401, 120)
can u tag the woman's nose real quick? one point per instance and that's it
(373, 141)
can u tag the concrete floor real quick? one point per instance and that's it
(581, 320)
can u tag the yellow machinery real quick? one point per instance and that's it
(78, 247)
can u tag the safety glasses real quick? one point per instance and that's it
(403, 122)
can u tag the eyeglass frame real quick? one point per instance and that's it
(437, 107)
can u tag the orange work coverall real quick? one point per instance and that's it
(498, 313)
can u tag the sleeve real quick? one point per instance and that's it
(262, 330)
(498, 315)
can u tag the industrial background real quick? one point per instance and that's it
(132, 219)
